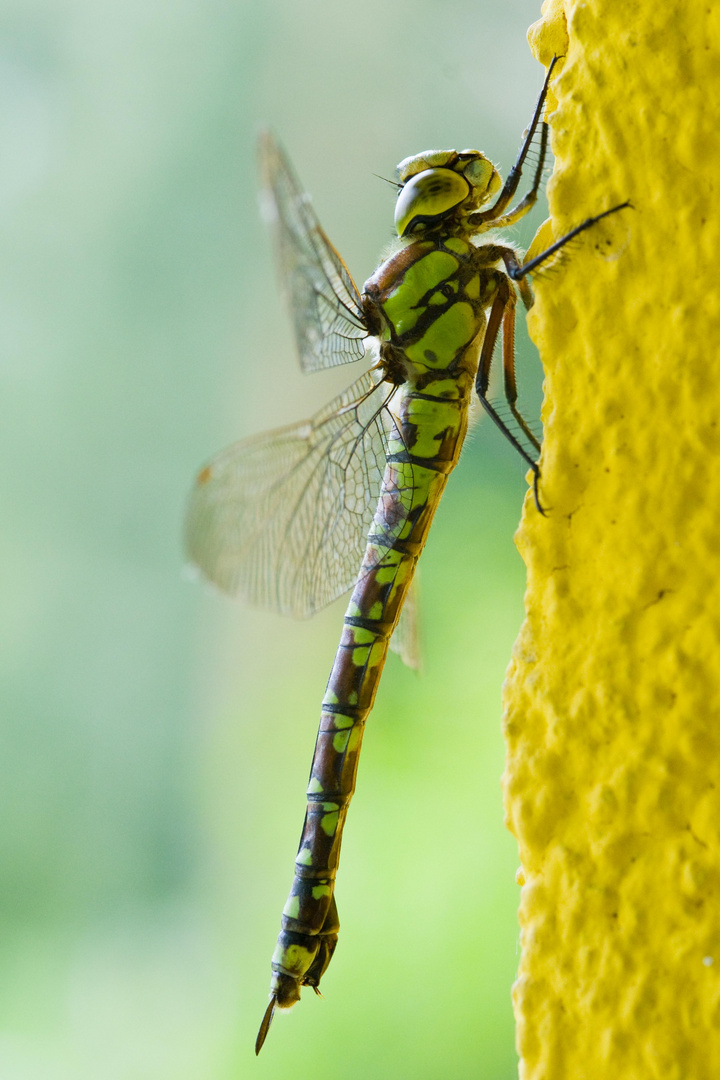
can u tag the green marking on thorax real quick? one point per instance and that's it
(454, 243)
(472, 288)
(426, 273)
(438, 299)
(445, 337)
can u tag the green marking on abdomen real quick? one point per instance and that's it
(295, 959)
(292, 907)
(410, 491)
(360, 656)
(354, 740)
(384, 575)
(340, 741)
(329, 822)
(340, 721)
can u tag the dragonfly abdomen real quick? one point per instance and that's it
(309, 923)
(411, 490)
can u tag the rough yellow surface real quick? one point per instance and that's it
(613, 698)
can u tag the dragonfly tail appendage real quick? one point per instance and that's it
(294, 948)
(265, 1025)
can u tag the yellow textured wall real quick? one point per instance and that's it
(612, 784)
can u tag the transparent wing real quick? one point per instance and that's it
(405, 641)
(282, 519)
(324, 301)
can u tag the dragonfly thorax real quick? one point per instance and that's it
(440, 188)
(426, 304)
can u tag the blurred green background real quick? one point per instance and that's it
(156, 738)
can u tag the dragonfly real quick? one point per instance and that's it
(291, 519)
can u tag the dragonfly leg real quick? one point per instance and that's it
(510, 385)
(528, 200)
(494, 213)
(519, 271)
(482, 380)
(513, 265)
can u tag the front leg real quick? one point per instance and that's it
(495, 213)
(518, 271)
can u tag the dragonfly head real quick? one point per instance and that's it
(440, 188)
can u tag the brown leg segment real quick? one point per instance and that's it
(508, 351)
(518, 272)
(495, 320)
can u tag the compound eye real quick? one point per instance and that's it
(427, 196)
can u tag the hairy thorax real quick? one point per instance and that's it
(427, 306)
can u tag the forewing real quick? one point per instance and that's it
(324, 301)
(282, 519)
